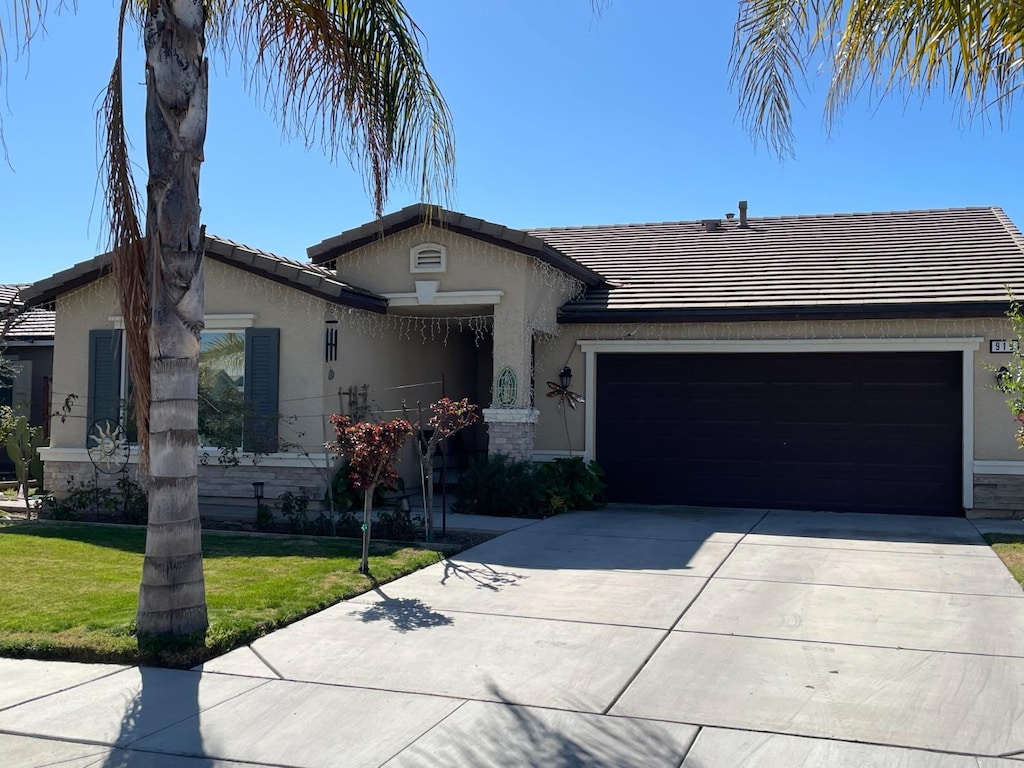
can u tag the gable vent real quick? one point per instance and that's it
(427, 257)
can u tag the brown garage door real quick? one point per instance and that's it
(854, 432)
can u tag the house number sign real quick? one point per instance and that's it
(1003, 345)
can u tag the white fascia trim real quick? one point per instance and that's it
(999, 467)
(221, 322)
(290, 459)
(966, 345)
(781, 345)
(446, 298)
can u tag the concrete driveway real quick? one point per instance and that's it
(623, 637)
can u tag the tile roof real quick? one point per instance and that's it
(302, 276)
(31, 325)
(513, 239)
(883, 264)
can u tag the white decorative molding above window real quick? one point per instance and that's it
(427, 257)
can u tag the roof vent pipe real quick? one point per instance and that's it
(743, 214)
(711, 225)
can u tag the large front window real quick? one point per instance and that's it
(222, 389)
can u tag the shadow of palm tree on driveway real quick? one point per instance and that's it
(502, 733)
(160, 692)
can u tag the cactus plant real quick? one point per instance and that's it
(23, 445)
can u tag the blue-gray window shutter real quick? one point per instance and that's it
(262, 350)
(104, 396)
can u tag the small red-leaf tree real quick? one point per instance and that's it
(371, 450)
(449, 416)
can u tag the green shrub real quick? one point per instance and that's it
(293, 508)
(501, 486)
(571, 484)
(347, 496)
(264, 517)
(126, 502)
(394, 523)
(134, 503)
(348, 525)
(8, 421)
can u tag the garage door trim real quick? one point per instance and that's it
(967, 346)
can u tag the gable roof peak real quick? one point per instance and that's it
(302, 276)
(517, 240)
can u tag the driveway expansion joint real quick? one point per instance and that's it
(836, 740)
(679, 618)
(265, 662)
(423, 733)
(689, 747)
(65, 690)
(985, 553)
(842, 644)
(554, 619)
(877, 589)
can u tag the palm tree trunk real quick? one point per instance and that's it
(172, 596)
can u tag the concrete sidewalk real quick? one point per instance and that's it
(623, 637)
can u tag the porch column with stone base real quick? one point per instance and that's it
(510, 431)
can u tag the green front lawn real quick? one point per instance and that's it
(70, 591)
(1011, 550)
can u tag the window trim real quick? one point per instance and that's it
(203, 448)
(235, 322)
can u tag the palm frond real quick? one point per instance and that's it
(349, 75)
(770, 44)
(972, 51)
(227, 352)
(126, 239)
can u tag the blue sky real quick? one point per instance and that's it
(561, 118)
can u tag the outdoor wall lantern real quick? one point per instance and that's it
(565, 377)
(561, 389)
(257, 493)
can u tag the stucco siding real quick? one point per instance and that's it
(531, 291)
(78, 311)
(229, 291)
(397, 367)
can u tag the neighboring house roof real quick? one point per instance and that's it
(305, 277)
(513, 239)
(31, 325)
(951, 262)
